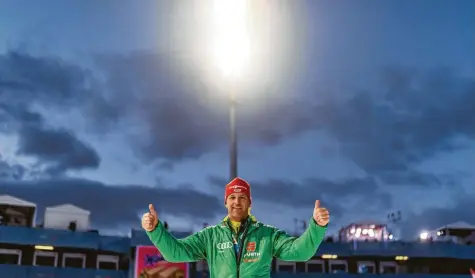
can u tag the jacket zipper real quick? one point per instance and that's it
(241, 243)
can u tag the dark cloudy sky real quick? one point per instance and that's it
(366, 105)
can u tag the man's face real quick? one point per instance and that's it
(238, 206)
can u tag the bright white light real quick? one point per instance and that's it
(371, 233)
(231, 39)
(424, 235)
(391, 237)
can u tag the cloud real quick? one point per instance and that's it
(410, 117)
(115, 205)
(57, 150)
(340, 196)
(413, 117)
(44, 79)
(14, 117)
(54, 84)
(28, 82)
(184, 114)
(166, 166)
(11, 171)
(415, 178)
(164, 103)
(171, 112)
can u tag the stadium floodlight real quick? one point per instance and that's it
(424, 235)
(231, 43)
(231, 46)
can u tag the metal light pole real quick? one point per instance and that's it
(233, 147)
(231, 50)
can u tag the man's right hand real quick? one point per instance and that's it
(150, 219)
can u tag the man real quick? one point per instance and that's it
(240, 246)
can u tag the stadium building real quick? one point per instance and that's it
(64, 246)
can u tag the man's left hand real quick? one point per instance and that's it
(321, 215)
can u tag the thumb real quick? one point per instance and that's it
(317, 204)
(152, 210)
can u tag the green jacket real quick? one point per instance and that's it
(259, 244)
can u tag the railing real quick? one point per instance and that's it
(410, 249)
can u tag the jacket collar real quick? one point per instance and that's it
(252, 219)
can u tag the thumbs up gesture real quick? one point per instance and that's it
(150, 219)
(321, 215)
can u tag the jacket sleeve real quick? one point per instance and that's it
(189, 249)
(303, 248)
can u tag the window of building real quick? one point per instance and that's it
(315, 266)
(388, 268)
(108, 262)
(300, 267)
(286, 267)
(338, 266)
(74, 260)
(366, 267)
(43, 258)
(10, 256)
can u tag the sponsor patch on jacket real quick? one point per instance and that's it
(251, 257)
(251, 246)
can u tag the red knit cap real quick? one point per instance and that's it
(237, 185)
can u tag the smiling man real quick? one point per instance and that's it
(239, 246)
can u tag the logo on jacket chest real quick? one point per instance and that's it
(251, 255)
(224, 245)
